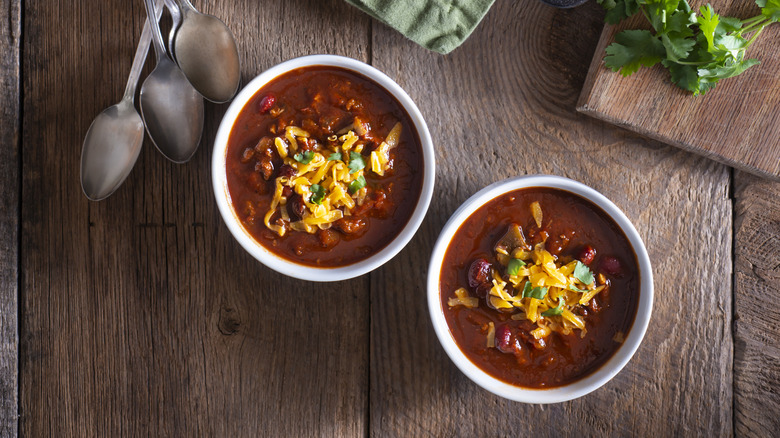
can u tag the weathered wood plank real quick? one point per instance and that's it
(756, 323)
(142, 316)
(502, 105)
(10, 15)
(736, 123)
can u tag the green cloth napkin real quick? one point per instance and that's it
(438, 25)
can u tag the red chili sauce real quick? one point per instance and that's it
(573, 229)
(323, 101)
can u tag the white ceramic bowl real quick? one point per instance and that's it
(304, 272)
(580, 387)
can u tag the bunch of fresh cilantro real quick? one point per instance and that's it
(698, 50)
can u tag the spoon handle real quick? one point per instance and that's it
(140, 58)
(152, 8)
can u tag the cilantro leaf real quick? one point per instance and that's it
(514, 266)
(618, 10)
(334, 156)
(770, 9)
(633, 49)
(355, 162)
(685, 76)
(708, 22)
(527, 289)
(582, 273)
(357, 184)
(555, 310)
(317, 194)
(697, 49)
(677, 47)
(304, 157)
(607, 4)
(677, 36)
(727, 70)
(729, 46)
(534, 292)
(728, 24)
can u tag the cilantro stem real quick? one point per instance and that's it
(644, 12)
(751, 19)
(691, 63)
(752, 27)
(753, 38)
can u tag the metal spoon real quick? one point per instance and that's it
(176, 21)
(114, 139)
(207, 54)
(172, 109)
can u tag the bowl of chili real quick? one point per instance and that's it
(540, 289)
(323, 168)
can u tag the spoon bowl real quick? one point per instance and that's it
(114, 139)
(110, 150)
(207, 54)
(171, 107)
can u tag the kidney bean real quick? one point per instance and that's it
(483, 290)
(297, 207)
(611, 266)
(504, 339)
(479, 272)
(594, 305)
(587, 254)
(266, 103)
(287, 171)
(287, 191)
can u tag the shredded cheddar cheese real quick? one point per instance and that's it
(330, 181)
(536, 286)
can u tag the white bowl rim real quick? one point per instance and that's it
(287, 267)
(577, 388)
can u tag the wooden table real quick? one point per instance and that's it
(140, 315)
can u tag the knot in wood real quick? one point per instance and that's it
(229, 321)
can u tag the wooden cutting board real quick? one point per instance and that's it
(737, 123)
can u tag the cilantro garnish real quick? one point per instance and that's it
(304, 157)
(697, 49)
(534, 292)
(555, 310)
(514, 266)
(334, 156)
(317, 193)
(357, 184)
(582, 273)
(355, 162)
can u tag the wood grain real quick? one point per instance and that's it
(142, 315)
(756, 289)
(737, 123)
(503, 105)
(10, 14)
